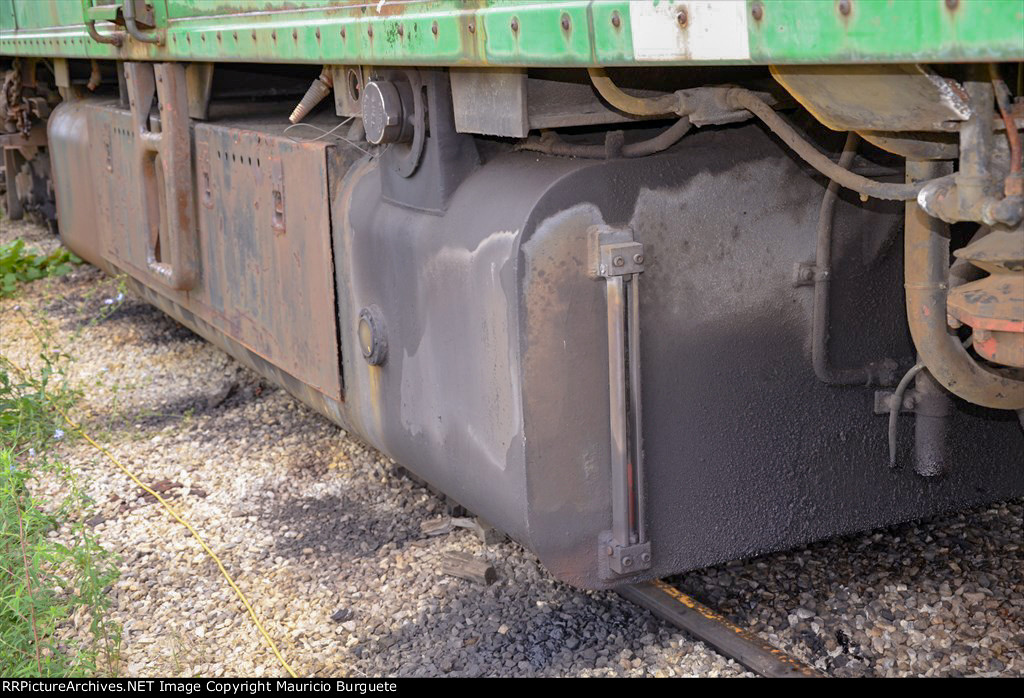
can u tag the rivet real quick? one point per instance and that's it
(681, 17)
(433, 28)
(952, 4)
(515, 24)
(401, 30)
(616, 20)
(369, 32)
(757, 12)
(343, 32)
(565, 22)
(844, 7)
(472, 27)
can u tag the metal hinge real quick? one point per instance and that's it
(619, 260)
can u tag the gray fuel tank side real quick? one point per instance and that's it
(745, 450)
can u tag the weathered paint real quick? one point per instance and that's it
(495, 388)
(268, 287)
(556, 33)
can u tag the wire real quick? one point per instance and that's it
(324, 133)
(896, 402)
(1004, 100)
(238, 592)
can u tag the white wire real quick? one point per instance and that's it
(324, 133)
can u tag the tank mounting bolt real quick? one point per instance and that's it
(646, 557)
(619, 261)
(638, 258)
(627, 561)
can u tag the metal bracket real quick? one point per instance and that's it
(806, 273)
(139, 12)
(914, 402)
(165, 158)
(199, 86)
(618, 259)
(629, 559)
(883, 401)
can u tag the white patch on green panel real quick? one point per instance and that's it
(713, 30)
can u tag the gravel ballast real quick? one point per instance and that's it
(324, 537)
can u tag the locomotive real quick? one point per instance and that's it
(647, 285)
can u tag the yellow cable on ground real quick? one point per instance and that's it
(178, 517)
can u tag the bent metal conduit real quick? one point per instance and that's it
(926, 242)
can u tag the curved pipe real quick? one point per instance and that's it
(552, 145)
(638, 106)
(745, 99)
(90, 26)
(133, 28)
(926, 254)
(113, 39)
(881, 373)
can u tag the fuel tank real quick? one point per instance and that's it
(474, 323)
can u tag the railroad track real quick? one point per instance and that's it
(714, 629)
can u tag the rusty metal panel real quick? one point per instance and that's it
(266, 256)
(265, 261)
(888, 98)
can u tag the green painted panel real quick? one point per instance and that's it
(538, 33)
(48, 14)
(7, 15)
(876, 29)
(600, 32)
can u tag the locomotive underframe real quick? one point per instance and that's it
(479, 279)
(637, 351)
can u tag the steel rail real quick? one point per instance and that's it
(714, 629)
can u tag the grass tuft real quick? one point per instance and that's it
(55, 578)
(19, 264)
